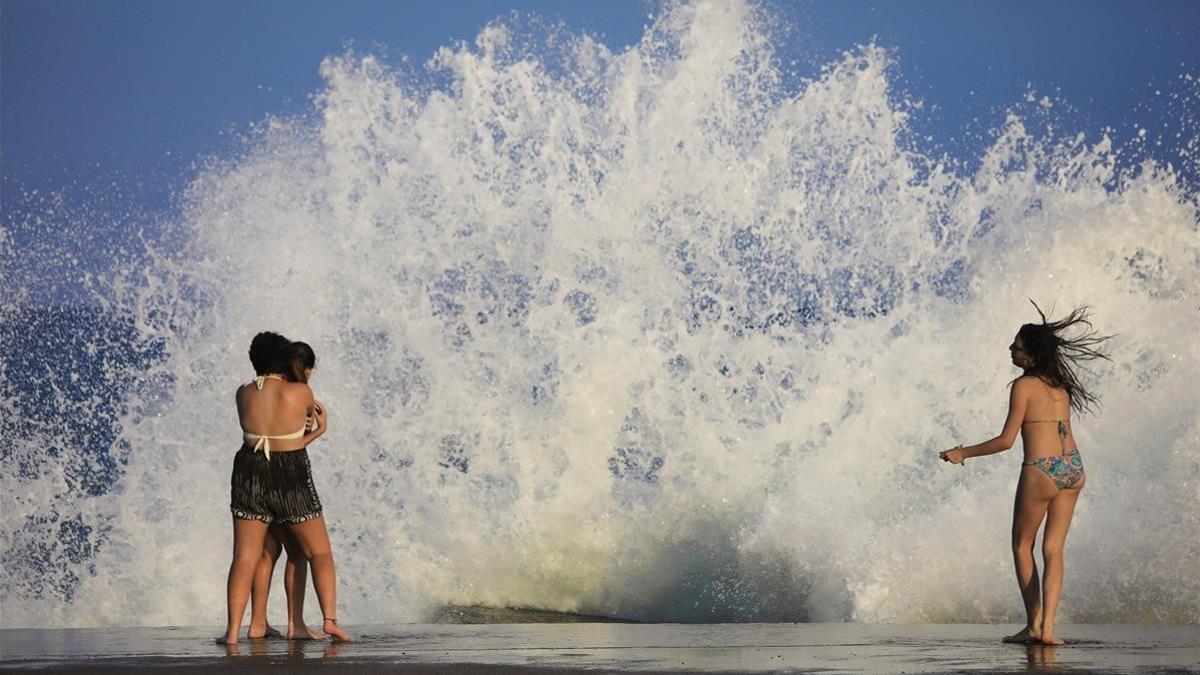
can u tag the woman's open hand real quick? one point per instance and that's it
(954, 455)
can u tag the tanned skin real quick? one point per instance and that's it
(276, 409)
(1037, 499)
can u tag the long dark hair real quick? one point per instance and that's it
(302, 357)
(1055, 356)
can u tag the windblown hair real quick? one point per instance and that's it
(270, 353)
(302, 357)
(1056, 356)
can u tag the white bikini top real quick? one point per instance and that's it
(263, 441)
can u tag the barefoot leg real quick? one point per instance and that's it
(262, 584)
(1034, 491)
(248, 536)
(1062, 508)
(295, 578)
(314, 542)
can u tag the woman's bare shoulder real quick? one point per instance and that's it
(297, 390)
(1023, 383)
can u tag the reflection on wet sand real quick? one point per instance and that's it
(1040, 657)
(849, 648)
(295, 648)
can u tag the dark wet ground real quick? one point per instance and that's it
(829, 648)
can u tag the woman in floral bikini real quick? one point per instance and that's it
(1052, 477)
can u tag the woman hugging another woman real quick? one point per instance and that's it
(273, 500)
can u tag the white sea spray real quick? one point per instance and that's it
(647, 333)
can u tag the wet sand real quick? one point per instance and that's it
(610, 647)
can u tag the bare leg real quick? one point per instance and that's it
(314, 542)
(1062, 508)
(248, 536)
(259, 627)
(1034, 492)
(295, 578)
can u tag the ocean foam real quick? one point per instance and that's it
(647, 333)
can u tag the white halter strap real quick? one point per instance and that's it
(258, 381)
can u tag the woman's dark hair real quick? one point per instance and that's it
(302, 357)
(1055, 356)
(270, 353)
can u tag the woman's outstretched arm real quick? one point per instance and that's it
(1018, 397)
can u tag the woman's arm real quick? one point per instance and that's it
(1018, 397)
(304, 396)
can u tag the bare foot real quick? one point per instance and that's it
(303, 632)
(335, 631)
(228, 640)
(265, 631)
(1025, 636)
(1049, 638)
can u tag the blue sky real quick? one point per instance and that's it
(135, 91)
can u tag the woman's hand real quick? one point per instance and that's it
(320, 423)
(321, 414)
(954, 455)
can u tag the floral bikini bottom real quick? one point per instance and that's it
(1065, 470)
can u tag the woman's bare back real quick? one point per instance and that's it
(279, 408)
(1040, 431)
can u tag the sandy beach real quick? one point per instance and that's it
(829, 648)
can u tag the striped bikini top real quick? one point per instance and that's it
(263, 441)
